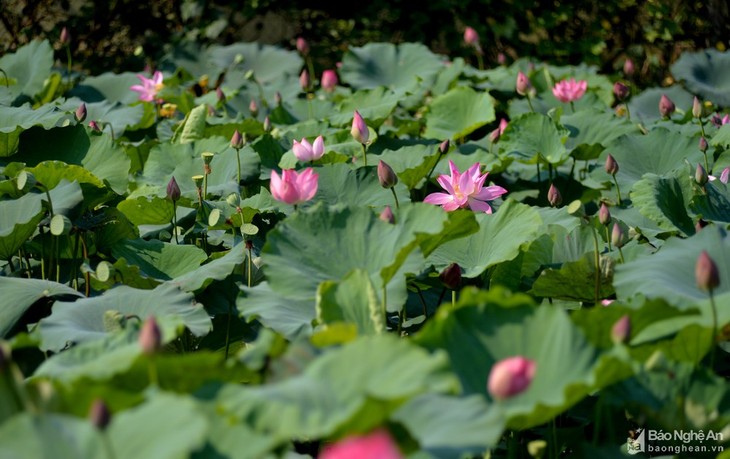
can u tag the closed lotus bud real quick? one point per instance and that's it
(386, 175)
(501, 59)
(701, 175)
(219, 94)
(553, 196)
(359, 129)
(80, 113)
(444, 147)
(150, 336)
(387, 215)
(277, 98)
(451, 276)
(611, 165)
(699, 225)
(65, 38)
(696, 108)
(173, 190)
(706, 273)
(99, 414)
(329, 80)
(621, 91)
(523, 84)
(237, 140)
(510, 377)
(629, 68)
(94, 126)
(618, 237)
(253, 108)
(267, 124)
(666, 106)
(304, 80)
(725, 175)
(302, 46)
(621, 330)
(604, 215)
(703, 144)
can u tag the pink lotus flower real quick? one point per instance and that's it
(510, 377)
(465, 189)
(719, 121)
(376, 445)
(149, 87)
(570, 90)
(304, 151)
(359, 129)
(724, 176)
(294, 188)
(329, 80)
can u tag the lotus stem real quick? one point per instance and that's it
(174, 221)
(228, 328)
(529, 102)
(395, 196)
(597, 261)
(365, 154)
(238, 160)
(714, 330)
(618, 189)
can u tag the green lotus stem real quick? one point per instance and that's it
(397, 206)
(608, 238)
(537, 164)
(714, 330)
(7, 81)
(310, 110)
(572, 107)
(453, 298)
(152, 372)
(423, 301)
(433, 168)
(572, 169)
(621, 255)
(618, 189)
(480, 61)
(74, 270)
(385, 307)
(228, 328)
(550, 171)
(707, 166)
(108, 445)
(68, 60)
(628, 114)
(85, 249)
(10, 262)
(174, 221)
(310, 69)
(365, 154)
(554, 432)
(597, 264)
(250, 267)
(238, 160)
(205, 187)
(597, 417)
(529, 102)
(43, 253)
(58, 259)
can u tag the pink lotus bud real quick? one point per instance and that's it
(621, 330)
(237, 140)
(618, 238)
(706, 272)
(293, 187)
(501, 59)
(497, 133)
(701, 175)
(629, 67)
(553, 196)
(219, 94)
(99, 414)
(444, 146)
(80, 113)
(302, 46)
(611, 165)
(329, 80)
(173, 190)
(451, 276)
(386, 175)
(725, 175)
(510, 377)
(359, 129)
(471, 37)
(376, 445)
(621, 91)
(94, 126)
(304, 80)
(65, 38)
(666, 106)
(696, 108)
(150, 336)
(387, 215)
(523, 85)
(604, 215)
(703, 144)
(267, 124)
(253, 108)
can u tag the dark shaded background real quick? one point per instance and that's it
(126, 34)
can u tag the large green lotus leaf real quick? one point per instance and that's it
(450, 427)
(158, 259)
(352, 300)
(232, 441)
(19, 220)
(398, 67)
(83, 320)
(14, 120)
(574, 281)
(65, 197)
(28, 68)
(374, 105)
(486, 327)
(659, 152)
(147, 210)
(49, 435)
(645, 106)
(110, 87)
(664, 200)
(458, 113)
(532, 136)
(99, 154)
(291, 315)
(192, 127)
(217, 269)
(118, 115)
(267, 62)
(705, 73)
(592, 130)
(19, 294)
(184, 161)
(52, 173)
(341, 184)
(412, 163)
(722, 137)
(715, 204)
(346, 387)
(669, 273)
(499, 239)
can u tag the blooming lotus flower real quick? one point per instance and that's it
(329, 80)
(304, 151)
(292, 187)
(570, 90)
(510, 377)
(725, 175)
(149, 87)
(376, 445)
(720, 121)
(464, 190)
(359, 129)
